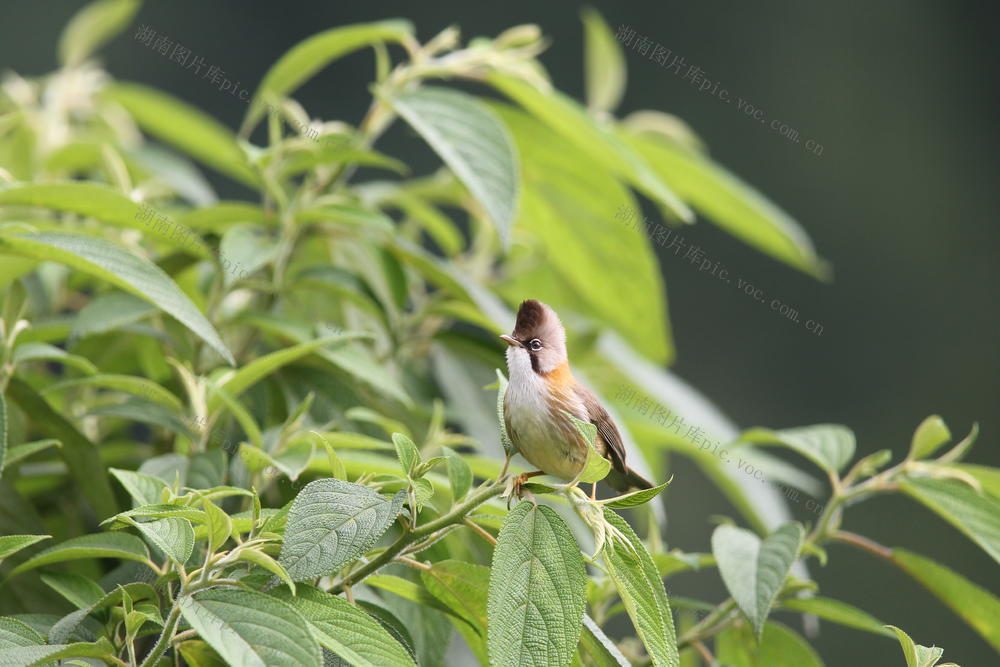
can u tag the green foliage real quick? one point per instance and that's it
(255, 432)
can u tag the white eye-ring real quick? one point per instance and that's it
(535, 344)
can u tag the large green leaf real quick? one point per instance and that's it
(976, 515)
(830, 446)
(96, 545)
(977, 606)
(754, 571)
(331, 523)
(641, 590)
(311, 55)
(779, 645)
(108, 312)
(102, 203)
(261, 367)
(139, 386)
(27, 656)
(536, 595)
(728, 202)
(568, 207)
(345, 630)
(17, 633)
(464, 589)
(11, 544)
(120, 267)
(599, 142)
(251, 629)
(174, 536)
(604, 64)
(92, 26)
(82, 456)
(185, 127)
(472, 142)
(838, 612)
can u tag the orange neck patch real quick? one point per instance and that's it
(561, 376)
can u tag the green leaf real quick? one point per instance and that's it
(27, 656)
(729, 202)
(311, 55)
(975, 515)
(16, 633)
(536, 595)
(635, 498)
(81, 591)
(604, 64)
(120, 267)
(184, 127)
(929, 436)
(132, 384)
(641, 590)
(251, 629)
(92, 26)
(45, 352)
(508, 446)
(80, 454)
(779, 645)
(473, 142)
(598, 141)
(100, 202)
(755, 571)
(261, 367)
(220, 525)
(96, 545)
(345, 630)
(174, 536)
(459, 474)
(915, 654)
(599, 646)
(462, 587)
(261, 559)
(987, 477)
(11, 544)
(108, 312)
(596, 467)
(830, 446)
(977, 606)
(3, 433)
(243, 250)
(144, 489)
(406, 452)
(838, 612)
(331, 523)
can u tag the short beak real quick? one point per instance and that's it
(510, 340)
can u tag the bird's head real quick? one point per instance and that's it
(538, 338)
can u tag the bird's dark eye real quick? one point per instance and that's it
(535, 344)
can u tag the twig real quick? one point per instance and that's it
(706, 655)
(864, 543)
(482, 531)
(412, 563)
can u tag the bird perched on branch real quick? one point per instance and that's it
(540, 393)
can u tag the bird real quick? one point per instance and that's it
(541, 390)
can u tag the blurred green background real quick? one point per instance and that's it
(901, 96)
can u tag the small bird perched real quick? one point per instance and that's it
(540, 392)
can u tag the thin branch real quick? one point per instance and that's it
(482, 531)
(412, 563)
(864, 543)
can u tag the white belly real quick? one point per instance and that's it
(543, 436)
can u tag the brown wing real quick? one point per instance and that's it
(614, 449)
